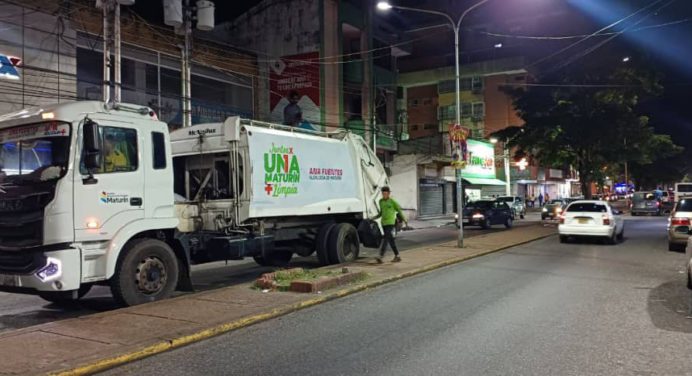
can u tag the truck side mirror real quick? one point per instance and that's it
(92, 143)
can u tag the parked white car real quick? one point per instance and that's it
(591, 218)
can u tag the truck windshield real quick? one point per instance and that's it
(35, 152)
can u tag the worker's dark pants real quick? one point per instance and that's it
(388, 239)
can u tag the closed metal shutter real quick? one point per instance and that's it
(431, 200)
(449, 198)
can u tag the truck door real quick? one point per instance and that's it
(114, 197)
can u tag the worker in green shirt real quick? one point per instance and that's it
(389, 209)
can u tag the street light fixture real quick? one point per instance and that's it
(385, 5)
(493, 140)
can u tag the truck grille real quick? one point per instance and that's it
(21, 221)
(21, 262)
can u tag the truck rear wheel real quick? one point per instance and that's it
(343, 244)
(322, 243)
(147, 271)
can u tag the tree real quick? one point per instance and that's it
(588, 119)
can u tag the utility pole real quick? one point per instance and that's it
(106, 84)
(111, 42)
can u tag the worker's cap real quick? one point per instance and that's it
(385, 189)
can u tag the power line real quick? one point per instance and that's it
(593, 34)
(566, 37)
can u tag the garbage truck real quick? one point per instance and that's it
(93, 193)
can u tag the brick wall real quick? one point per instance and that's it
(422, 110)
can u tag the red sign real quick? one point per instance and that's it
(296, 73)
(457, 138)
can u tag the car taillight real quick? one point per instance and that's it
(658, 203)
(680, 221)
(606, 220)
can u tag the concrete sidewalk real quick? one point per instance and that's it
(96, 342)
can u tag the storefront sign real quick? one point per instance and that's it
(299, 74)
(480, 160)
(8, 67)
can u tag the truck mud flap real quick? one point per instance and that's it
(369, 233)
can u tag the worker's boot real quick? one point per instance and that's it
(396, 259)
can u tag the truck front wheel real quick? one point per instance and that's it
(343, 244)
(147, 271)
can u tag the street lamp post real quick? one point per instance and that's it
(385, 5)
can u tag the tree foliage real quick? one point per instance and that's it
(589, 119)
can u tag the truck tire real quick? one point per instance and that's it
(343, 244)
(369, 233)
(146, 271)
(64, 298)
(274, 259)
(322, 243)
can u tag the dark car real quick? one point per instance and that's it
(553, 209)
(486, 213)
(646, 203)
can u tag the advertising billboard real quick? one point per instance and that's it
(298, 75)
(480, 160)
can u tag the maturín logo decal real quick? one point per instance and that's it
(281, 171)
(113, 198)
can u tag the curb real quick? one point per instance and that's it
(160, 347)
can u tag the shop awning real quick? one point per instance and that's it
(481, 181)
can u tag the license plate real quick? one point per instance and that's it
(583, 221)
(9, 280)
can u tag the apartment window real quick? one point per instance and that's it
(414, 127)
(466, 109)
(430, 126)
(477, 83)
(427, 102)
(478, 109)
(448, 86)
(413, 103)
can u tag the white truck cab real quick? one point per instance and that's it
(92, 193)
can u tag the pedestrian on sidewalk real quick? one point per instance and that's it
(540, 199)
(390, 211)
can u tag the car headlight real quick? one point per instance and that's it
(478, 216)
(559, 210)
(456, 216)
(545, 210)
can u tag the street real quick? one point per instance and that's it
(540, 309)
(18, 311)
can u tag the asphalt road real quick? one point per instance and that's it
(18, 311)
(540, 309)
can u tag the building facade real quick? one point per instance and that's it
(59, 57)
(429, 97)
(328, 53)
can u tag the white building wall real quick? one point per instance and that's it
(404, 182)
(45, 45)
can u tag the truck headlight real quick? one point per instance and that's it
(51, 271)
